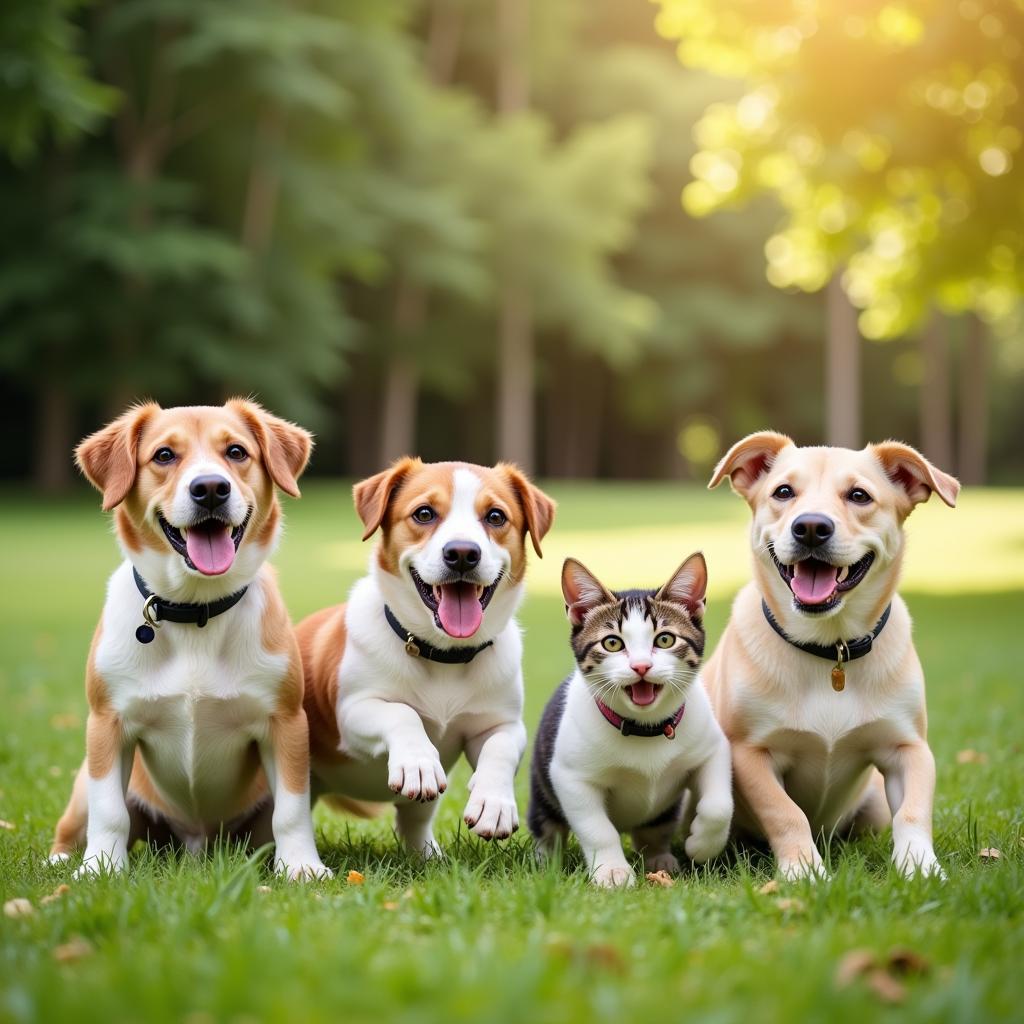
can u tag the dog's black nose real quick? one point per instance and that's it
(210, 491)
(461, 555)
(813, 529)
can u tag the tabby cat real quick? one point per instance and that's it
(631, 732)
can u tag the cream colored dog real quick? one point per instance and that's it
(816, 681)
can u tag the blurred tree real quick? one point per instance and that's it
(889, 132)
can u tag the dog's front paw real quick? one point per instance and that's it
(417, 774)
(111, 861)
(303, 869)
(918, 859)
(708, 836)
(490, 813)
(613, 876)
(809, 866)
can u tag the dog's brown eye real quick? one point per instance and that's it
(163, 456)
(496, 518)
(424, 514)
(236, 453)
(783, 492)
(859, 496)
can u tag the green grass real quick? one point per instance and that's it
(487, 935)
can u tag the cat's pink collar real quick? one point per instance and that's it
(630, 727)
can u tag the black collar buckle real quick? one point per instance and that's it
(417, 648)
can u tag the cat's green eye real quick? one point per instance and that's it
(612, 643)
(665, 640)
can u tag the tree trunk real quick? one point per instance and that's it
(264, 184)
(972, 456)
(515, 433)
(401, 380)
(842, 370)
(575, 403)
(515, 377)
(936, 394)
(54, 437)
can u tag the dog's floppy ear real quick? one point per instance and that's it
(688, 585)
(109, 458)
(373, 495)
(749, 459)
(538, 508)
(908, 469)
(284, 447)
(582, 591)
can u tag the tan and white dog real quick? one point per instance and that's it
(423, 662)
(194, 681)
(816, 681)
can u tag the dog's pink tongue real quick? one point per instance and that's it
(642, 693)
(459, 609)
(211, 549)
(814, 582)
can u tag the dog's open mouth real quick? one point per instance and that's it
(458, 606)
(208, 547)
(643, 693)
(818, 586)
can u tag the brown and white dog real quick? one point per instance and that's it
(196, 724)
(423, 662)
(827, 539)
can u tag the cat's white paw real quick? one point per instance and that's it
(613, 876)
(708, 835)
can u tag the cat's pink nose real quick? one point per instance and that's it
(641, 668)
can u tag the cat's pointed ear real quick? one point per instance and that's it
(582, 591)
(688, 585)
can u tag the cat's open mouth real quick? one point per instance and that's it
(458, 606)
(819, 586)
(643, 693)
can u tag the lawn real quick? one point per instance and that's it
(486, 935)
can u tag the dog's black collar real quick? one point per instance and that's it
(417, 648)
(157, 610)
(847, 650)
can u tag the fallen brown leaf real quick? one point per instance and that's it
(971, 757)
(390, 905)
(853, 965)
(19, 907)
(990, 853)
(907, 961)
(886, 987)
(76, 949)
(794, 905)
(769, 887)
(56, 894)
(355, 878)
(604, 955)
(662, 878)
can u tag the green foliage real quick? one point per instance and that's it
(47, 91)
(890, 135)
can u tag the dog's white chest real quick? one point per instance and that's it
(197, 703)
